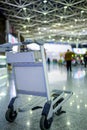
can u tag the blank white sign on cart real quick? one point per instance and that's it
(29, 79)
(20, 57)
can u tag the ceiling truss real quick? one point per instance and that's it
(59, 20)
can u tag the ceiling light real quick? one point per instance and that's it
(28, 19)
(67, 40)
(44, 13)
(71, 103)
(62, 38)
(54, 25)
(53, 39)
(77, 39)
(61, 17)
(38, 29)
(49, 36)
(24, 26)
(68, 123)
(85, 105)
(83, 30)
(71, 26)
(24, 9)
(83, 19)
(28, 123)
(45, 21)
(79, 33)
(51, 30)
(65, 7)
(72, 32)
(78, 107)
(70, 39)
(59, 24)
(82, 11)
(45, 1)
(27, 31)
(55, 30)
(75, 20)
(39, 32)
(44, 28)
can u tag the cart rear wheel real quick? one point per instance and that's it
(44, 123)
(10, 115)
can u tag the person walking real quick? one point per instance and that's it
(68, 59)
(48, 62)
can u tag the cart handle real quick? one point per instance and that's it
(8, 46)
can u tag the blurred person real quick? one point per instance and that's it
(68, 59)
(85, 59)
(48, 62)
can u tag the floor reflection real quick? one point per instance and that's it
(76, 107)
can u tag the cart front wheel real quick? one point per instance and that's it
(10, 115)
(44, 123)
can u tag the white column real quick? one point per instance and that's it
(19, 40)
(77, 45)
(77, 42)
(7, 29)
(19, 36)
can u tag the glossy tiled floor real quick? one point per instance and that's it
(75, 117)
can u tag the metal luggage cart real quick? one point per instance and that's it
(30, 77)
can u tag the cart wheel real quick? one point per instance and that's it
(10, 115)
(44, 123)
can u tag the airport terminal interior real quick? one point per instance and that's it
(36, 90)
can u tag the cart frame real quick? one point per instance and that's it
(21, 63)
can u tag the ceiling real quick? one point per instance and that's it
(52, 20)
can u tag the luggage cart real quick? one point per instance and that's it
(30, 77)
